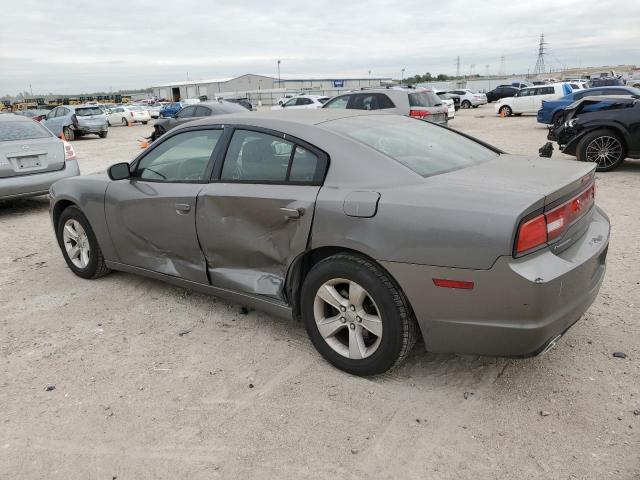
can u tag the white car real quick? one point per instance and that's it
(303, 101)
(529, 100)
(469, 99)
(286, 97)
(125, 115)
(154, 110)
(451, 106)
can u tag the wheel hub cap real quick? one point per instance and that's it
(76, 243)
(348, 318)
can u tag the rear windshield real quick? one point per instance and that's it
(22, 131)
(88, 111)
(419, 145)
(424, 99)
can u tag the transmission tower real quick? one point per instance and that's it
(540, 66)
(458, 66)
(503, 68)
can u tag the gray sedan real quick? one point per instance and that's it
(372, 229)
(31, 158)
(193, 112)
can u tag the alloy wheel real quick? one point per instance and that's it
(76, 243)
(347, 318)
(604, 151)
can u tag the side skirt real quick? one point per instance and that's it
(271, 306)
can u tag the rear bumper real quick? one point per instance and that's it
(85, 129)
(515, 308)
(544, 116)
(36, 183)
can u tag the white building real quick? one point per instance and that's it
(265, 87)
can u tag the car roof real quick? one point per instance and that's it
(599, 98)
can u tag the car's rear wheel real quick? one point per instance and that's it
(356, 316)
(603, 147)
(79, 246)
(69, 134)
(466, 104)
(506, 110)
(144, 123)
(103, 134)
(124, 122)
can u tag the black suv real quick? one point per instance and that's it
(501, 91)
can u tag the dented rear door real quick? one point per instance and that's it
(256, 217)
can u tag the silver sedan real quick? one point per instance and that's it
(31, 158)
(372, 229)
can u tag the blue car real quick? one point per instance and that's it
(551, 111)
(171, 109)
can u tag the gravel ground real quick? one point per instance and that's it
(152, 381)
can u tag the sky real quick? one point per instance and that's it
(48, 47)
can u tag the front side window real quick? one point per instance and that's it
(181, 158)
(256, 157)
(338, 102)
(202, 112)
(304, 101)
(291, 102)
(420, 146)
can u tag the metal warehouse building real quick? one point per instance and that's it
(265, 87)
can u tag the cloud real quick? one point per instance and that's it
(139, 43)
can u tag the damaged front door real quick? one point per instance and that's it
(151, 216)
(256, 217)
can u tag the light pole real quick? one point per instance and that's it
(402, 76)
(369, 77)
(279, 85)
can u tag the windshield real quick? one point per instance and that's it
(88, 111)
(22, 131)
(425, 148)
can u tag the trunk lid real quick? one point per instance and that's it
(24, 157)
(90, 117)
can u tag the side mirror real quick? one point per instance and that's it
(119, 171)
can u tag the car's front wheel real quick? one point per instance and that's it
(603, 147)
(103, 134)
(124, 122)
(466, 104)
(69, 134)
(79, 246)
(356, 315)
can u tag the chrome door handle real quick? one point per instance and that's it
(183, 208)
(292, 212)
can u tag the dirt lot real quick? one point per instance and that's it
(152, 381)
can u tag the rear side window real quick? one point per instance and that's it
(303, 166)
(423, 99)
(366, 101)
(202, 112)
(420, 146)
(22, 131)
(87, 112)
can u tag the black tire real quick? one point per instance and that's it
(465, 104)
(96, 267)
(557, 118)
(103, 134)
(144, 123)
(124, 122)
(475, 106)
(69, 134)
(603, 135)
(399, 327)
(506, 110)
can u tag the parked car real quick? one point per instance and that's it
(36, 115)
(606, 82)
(451, 101)
(470, 99)
(529, 100)
(154, 110)
(128, 115)
(75, 121)
(31, 158)
(366, 226)
(243, 101)
(303, 102)
(422, 104)
(552, 111)
(170, 109)
(193, 112)
(500, 92)
(601, 129)
(521, 85)
(286, 97)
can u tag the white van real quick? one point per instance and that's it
(529, 100)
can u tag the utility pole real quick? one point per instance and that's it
(458, 67)
(279, 74)
(503, 69)
(402, 76)
(369, 77)
(31, 90)
(540, 66)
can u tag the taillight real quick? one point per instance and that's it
(418, 113)
(552, 224)
(69, 152)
